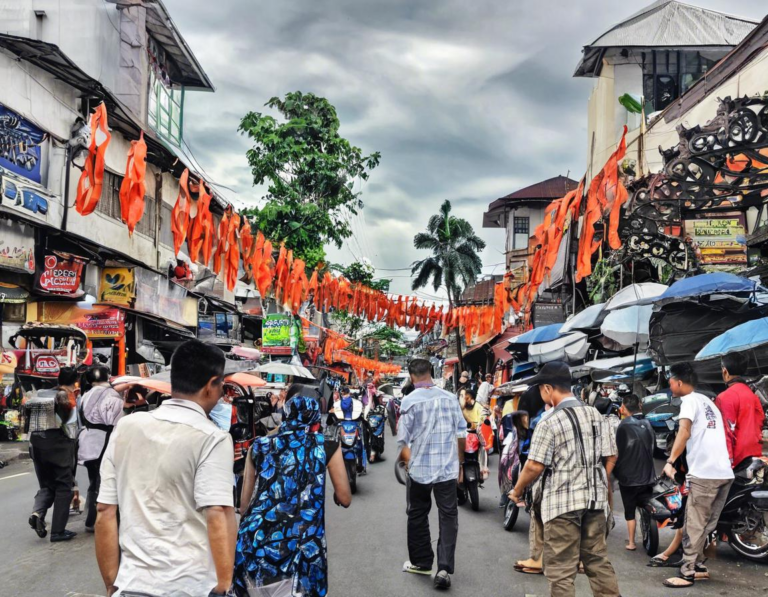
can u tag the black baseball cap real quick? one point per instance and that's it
(556, 373)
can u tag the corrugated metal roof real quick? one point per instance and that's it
(667, 24)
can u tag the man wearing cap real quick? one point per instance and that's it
(574, 453)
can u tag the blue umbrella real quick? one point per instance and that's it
(743, 337)
(542, 334)
(714, 283)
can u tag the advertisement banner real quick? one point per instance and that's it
(719, 239)
(17, 248)
(157, 295)
(61, 274)
(276, 334)
(117, 286)
(98, 321)
(21, 142)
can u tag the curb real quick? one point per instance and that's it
(12, 455)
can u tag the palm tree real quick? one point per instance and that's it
(454, 262)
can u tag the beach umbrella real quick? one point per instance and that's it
(588, 319)
(705, 284)
(277, 368)
(746, 336)
(569, 348)
(628, 326)
(541, 334)
(635, 294)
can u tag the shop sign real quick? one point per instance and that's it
(276, 334)
(547, 314)
(157, 295)
(98, 321)
(46, 365)
(720, 239)
(61, 274)
(17, 247)
(21, 143)
(117, 286)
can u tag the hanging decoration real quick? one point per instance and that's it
(180, 213)
(92, 177)
(133, 188)
(200, 235)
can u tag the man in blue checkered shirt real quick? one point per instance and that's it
(431, 434)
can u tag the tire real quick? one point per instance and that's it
(474, 498)
(510, 515)
(461, 495)
(742, 546)
(351, 466)
(650, 532)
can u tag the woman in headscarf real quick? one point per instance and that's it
(281, 547)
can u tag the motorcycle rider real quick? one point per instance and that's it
(702, 432)
(742, 412)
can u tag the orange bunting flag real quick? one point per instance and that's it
(221, 246)
(180, 213)
(200, 235)
(133, 188)
(92, 177)
(232, 256)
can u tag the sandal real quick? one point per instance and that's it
(701, 573)
(520, 565)
(680, 582)
(659, 562)
(531, 570)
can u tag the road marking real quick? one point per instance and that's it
(13, 476)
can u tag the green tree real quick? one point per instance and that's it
(454, 263)
(310, 170)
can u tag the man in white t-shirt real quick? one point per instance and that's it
(709, 471)
(169, 472)
(484, 391)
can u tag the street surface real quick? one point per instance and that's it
(367, 548)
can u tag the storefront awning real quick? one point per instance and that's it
(12, 294)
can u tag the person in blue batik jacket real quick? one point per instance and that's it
(281, 547)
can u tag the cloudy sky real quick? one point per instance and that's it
(466, 101)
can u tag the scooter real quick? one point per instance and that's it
(662, 508)
(509, 467)
(351, 439)
(377, 422)
(393, 413)
(473, 478)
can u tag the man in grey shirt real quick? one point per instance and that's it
(170, 474)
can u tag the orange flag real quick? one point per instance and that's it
(133, 188)
(180, 213)
(92, 177)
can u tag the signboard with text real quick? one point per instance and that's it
(61, 274)
(720, 239)
(117, 286)
(17, 248)
(97, 321)
(276, 334)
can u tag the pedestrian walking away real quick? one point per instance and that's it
(431, 435)
(100, 408)
(53, 455)
(281, 547)
(169, 472)
(575, 453)
(634, 470)
(709, 471)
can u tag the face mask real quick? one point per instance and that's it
(221, 415)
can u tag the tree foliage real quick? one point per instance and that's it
(310, 170)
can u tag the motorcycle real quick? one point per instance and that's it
(393, 413)
(744, 519)
(509, 467)
(377, 421)
(662, 508)
(473, 478)
(350, 430)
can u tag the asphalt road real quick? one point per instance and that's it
(367, 547)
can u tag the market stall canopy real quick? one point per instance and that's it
(12, 294)
(635, 294)
(588, 319)
(570, 348)
(708, 284)
(613, 364)
(245, 379)
(628, 326)
(510, 388)
(542, 334)
(743, 337)
(124, 382)
(276, 368)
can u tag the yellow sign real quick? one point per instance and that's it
(117, 286)
(721, 240)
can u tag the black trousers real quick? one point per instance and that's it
(94, 482)
(419, 540)
(52, 454)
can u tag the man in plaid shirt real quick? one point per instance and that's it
(430, 435)
(575, 453)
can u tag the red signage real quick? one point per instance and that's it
(109, 323)
(47, 365)
(61, 274)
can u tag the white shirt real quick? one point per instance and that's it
(484, 392)
(707, 452)
(102, 405)
(163, 469)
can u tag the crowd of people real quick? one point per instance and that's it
(171, 528)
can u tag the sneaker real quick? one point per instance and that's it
(442, 580)
(408, 567)
(63, 536)
(38, 525)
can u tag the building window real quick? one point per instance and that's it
(521, 232)
(668, 74)
(166, 232)
(14, 312)
(109, 205)
(165, 108)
